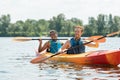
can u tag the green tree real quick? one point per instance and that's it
(42, 27)
(4, 24)
(116, 24)
(101, 24)
(15, 29)
(91, 28)
(76, 21)
(57, 22)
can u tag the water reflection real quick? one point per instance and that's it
(72, 71)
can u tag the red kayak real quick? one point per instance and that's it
(111, 57)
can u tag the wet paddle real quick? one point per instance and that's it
(111, 34)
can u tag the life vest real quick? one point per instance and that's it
(54, 46)
(76, 47)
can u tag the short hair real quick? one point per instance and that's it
(53, 31)
(81, 27)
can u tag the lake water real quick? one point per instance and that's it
(15, 64)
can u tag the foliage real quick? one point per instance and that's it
(65, 27)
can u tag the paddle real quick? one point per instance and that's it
(96, 37)
(111, 34)
(22, 39)
(96, 43)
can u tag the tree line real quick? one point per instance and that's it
(102, 25)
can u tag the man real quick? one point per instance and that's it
(52, 45)
(75, 44)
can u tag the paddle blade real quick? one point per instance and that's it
(94, 38)
(21, 39)
(38, 59)
(93, 44)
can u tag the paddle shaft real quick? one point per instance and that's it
(23, 39)
(49, 39)
(51, 56)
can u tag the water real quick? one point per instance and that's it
(15, 64)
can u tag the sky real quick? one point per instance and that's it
(46, 9)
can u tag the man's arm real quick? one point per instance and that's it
(45, 46)
(66, 45)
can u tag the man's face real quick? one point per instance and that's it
(78, 32)
(53, 35)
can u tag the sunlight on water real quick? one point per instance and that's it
(15, 64)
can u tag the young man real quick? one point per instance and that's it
(75, 44)
(52, 45)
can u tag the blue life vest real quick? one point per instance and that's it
(76, 47)
(55, 46)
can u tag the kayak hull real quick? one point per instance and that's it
(111, 57)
